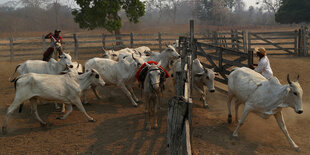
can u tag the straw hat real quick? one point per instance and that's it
(261, 50)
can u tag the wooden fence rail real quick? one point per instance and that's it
(277, 43)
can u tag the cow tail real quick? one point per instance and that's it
(14, 74)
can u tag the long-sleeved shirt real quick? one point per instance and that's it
(264, 68)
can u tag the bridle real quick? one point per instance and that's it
(152, 84)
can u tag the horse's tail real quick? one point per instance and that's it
(14, 73)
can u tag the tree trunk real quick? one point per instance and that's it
(117, 32)
(118, 37)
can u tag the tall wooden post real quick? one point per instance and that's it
(159, 41)
(244, 42)
(76, 47)
(295, 43)
(249, 42)
(43, 43)
(305, 41)
(11, 48)
(131, 40)
(103, 41)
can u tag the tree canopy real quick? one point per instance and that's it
(293, 11)
(104, 13)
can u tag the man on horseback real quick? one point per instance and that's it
(56, 42)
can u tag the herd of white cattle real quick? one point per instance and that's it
(66, 82)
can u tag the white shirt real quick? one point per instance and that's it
(264, 68)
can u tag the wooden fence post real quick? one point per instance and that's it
(305, 41)
(43, 43)
(250, 57)
(244, 42)
(159, 41)
(103, 41)
(249, 41)
(11, 48)
(295, 43)
(215, 34)
(299, 49)
(220, 55)
(76, 47)
(131, 40)
(177, 109)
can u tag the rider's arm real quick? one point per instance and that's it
(48, 36)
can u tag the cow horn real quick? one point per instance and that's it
(133, 57)
(288, 79)
(297, 78)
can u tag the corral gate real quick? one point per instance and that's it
(222, 59)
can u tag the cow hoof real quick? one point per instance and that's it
(135, 105)
(206, 106)
(60, 118)
(297, 149)
(4, 130)
(235, 134)
(92, 120)
(43, 124)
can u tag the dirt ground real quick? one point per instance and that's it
(119, 127)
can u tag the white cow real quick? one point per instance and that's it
(120, 73)
(165, 57)
(43, 67)
(144, 50)
(115, 55)
(66, 88)
(203, 77)
(79, 67)
(263, 97)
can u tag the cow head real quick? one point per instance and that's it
(138, 60)
(171, 53)
(207, 77)
(105, 53)
(154, 74)
(94, 77)
(294, 97)
(65, 60)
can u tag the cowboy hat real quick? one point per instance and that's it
(260, 50)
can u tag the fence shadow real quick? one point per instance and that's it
(132, 138)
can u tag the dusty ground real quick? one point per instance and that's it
(119, 128)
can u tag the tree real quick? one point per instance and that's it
(293, 11)
(34, 3)
(104, 14)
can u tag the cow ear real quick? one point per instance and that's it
(216, 73)
(287, 91)
(147, 64)
(159, 63)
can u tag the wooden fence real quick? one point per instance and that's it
(179, 121)
(87, 46)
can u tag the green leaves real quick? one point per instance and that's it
(104, 13)
(293, 11)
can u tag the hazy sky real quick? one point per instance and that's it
(247, 2)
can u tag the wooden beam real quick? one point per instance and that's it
(273, 44)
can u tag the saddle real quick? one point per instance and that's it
(143, 70)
